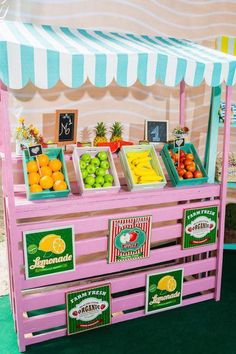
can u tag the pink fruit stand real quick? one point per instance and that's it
(48, 305)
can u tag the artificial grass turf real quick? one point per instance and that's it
(206, 328)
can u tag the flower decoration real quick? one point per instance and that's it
(28, 135)
(180, 132)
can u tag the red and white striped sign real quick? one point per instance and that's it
(129, 238)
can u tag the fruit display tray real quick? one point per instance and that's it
(155, 164)
(174, 177)
(93, 151)
(52, 153)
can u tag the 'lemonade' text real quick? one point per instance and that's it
(41, 263)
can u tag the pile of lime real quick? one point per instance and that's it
(95, 170)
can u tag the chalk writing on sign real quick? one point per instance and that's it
(66, 127)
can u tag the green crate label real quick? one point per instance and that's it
(200, 226)
(88, 309)
(129, 238)
(49, 251)
(164, 290)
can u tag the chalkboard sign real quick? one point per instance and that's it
(35, 150)
(156, 131)
(179, 142)
(66, 127)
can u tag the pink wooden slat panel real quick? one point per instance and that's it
(129, 316)
(96, 268)
(123, 303)
(76, 203)
(141, 313)
(100, 223)
(57, 297)
(99, 244)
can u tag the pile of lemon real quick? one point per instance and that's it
(141, 167)
(46, 174)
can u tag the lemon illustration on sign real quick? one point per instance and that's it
(58, 246)
(167, 283)
(52, 243)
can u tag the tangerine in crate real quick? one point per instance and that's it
(47, 176)
(184, 166)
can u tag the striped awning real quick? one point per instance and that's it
(226, 44)
(46, 54)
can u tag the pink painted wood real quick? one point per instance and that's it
(122, 303)
(125, 317)
(124, 199)
(10, 204)
(223, 191)
(54, 297)
(100, 223)
(99, 268)
(182, 104)
(100, 244)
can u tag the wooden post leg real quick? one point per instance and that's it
(11, 214)
(223, 192)
(182, 104)
(212, 134)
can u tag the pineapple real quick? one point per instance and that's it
(116, 132)
(101, 131)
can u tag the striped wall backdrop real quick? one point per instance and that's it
(199, 20)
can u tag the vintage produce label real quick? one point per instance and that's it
(49, 251)
(88, 309)
(200, 226)
(164, 290)
(129, 238)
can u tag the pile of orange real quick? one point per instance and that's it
(46, 174)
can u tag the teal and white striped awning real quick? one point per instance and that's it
(46, 54)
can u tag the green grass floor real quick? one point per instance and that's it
(205, 328)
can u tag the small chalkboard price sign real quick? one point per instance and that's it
(35, 150)
(179, 143)
(66, 127)
(156, 131)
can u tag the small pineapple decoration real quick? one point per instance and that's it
(116, 132)
(101, 131)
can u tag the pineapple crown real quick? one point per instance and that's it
(116, 129)
(100, 129)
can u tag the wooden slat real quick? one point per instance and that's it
(141, 313)
(54, 297)
(58, 318)
(97, 268)
(99, 244)
(125, 317)
(76, 203)
(100, 222)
